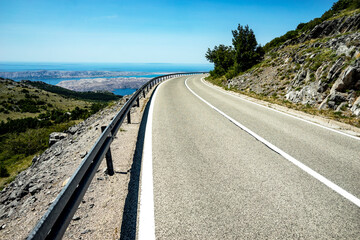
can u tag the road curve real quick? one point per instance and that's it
(213, 180)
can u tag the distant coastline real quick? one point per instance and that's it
(118, 78)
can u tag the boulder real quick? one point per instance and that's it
(356, 107)
(349, 79)
(335, 99)
(55, 137)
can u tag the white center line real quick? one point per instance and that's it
(297, 163)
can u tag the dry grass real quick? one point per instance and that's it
(17, 91)
(344, 117)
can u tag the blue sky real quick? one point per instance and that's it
(139, 31)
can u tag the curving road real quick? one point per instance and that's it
(211, 179)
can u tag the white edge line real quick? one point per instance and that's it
(302, 166)
(287, 114)
(146, 211)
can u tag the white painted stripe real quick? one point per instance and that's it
(146, 211)
(286, 114)
(302, 166)
(146, 215)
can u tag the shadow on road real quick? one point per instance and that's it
(129, 220)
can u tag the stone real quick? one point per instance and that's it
(11, 212)
(83, 154)
(72, 130)
(76, 218)
(356, 107)
(86, 231)
(349, 79)
(55, 137)
(35, 159)
(36, 188)
(65, 182)
(335, 70)
(342, 105)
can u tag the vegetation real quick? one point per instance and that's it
(223, 58)
(230, 61)
(295, 66)
(27, 117)
(337, 8)
(88, 96)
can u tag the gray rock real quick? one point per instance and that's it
(35, 159)
(349, 79)
(11, 212)
(356, 107)
(29, 201)
(335, 70)
(55, 137)
(14, 203)
(83, 154)
(86, 231)
(335, 99)
(36, 188)
(72, 130)
(339, 108)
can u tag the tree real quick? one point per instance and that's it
(247, 50)
(223, 58)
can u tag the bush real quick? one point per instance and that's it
(3, 171)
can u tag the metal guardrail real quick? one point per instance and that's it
(58, 216)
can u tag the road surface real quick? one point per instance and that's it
(211, 179)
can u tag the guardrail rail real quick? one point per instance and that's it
(54, 222)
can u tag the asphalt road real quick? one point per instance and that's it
(213, 180)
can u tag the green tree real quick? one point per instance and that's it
(223, 58)
(247, 50)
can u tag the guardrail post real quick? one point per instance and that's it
(129, 117)
(144, 93)
(138, 102)
(108, 157)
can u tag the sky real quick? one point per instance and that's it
(139, 31)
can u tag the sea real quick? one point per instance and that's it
(149, 70)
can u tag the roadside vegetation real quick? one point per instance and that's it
(268, 73)
(334, 12)
(229, 61)
(27, 117)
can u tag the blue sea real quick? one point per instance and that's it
(150, 68)
(130, 67)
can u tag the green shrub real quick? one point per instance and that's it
(3, 171)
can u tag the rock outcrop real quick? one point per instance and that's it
(320, 68)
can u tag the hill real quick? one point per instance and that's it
(29, 114)
(315, 68)
(88, 96)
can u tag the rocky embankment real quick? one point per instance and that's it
(26, 199)
(321, 68)
(103, 84)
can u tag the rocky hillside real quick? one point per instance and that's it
(319, 69)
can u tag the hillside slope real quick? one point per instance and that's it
(28, 115)
(318, 69)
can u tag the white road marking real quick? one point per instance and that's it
(146, 215)
(297, 163)
(289, 115)
(146, 211)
